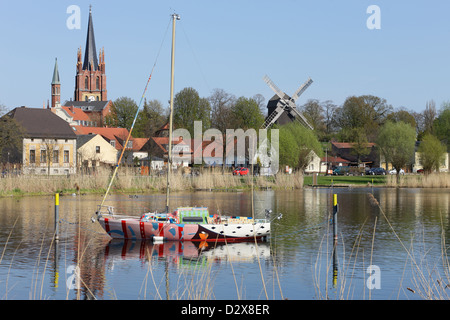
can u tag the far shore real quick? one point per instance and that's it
(127, 182)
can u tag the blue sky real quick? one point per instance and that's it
(231, 45)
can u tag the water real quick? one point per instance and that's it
(404, 240)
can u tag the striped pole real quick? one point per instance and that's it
(335, 237)
(56, 216)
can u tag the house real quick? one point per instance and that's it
(117, 137)
(93, 151)
(347, 151)
(49, 143)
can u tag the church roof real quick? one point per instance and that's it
(55, 79)
(90, 54)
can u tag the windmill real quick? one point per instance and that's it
(282, 105)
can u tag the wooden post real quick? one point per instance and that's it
(57, 216)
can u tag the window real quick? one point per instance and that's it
(130, 144)
(113, 143)
(32, 156)
(43, 156)
(66, 156)
(86, 83)
(97, 83)
(97, 149)
(55, 156)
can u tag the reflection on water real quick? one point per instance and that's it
(403, 237)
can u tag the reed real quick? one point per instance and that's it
(128, 181)
(433, 180)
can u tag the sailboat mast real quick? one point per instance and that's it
(169, 158)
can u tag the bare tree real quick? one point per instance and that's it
(429, 114)
(221, 104)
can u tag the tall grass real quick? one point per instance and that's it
(429, 275)
(128, 181)
(433, 180)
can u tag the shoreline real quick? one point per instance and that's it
(129, 183)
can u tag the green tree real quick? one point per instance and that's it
(11, 136)
(246, 114)
(432, 153)
(442, 125)
(367, 112)
(189, 107)
(396, 142)
(402, 115)
(152, 117)
(122, 114)
(295, 145)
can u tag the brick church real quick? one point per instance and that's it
(90, 104)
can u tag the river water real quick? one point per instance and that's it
(393, 248)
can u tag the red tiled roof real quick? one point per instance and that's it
(334, 159)
(76, 113)
(119, 135)
(349, 145)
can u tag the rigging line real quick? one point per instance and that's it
(134, 120)
(195, 57)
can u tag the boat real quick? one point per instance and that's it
(184, 223)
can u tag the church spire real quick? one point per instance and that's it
(56, 87)
(90, 54)
(55, 79)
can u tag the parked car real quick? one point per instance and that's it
(341, 170)
(394, 171)
(240, 171)
(377, 171)
(420, 171)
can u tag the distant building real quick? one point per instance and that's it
(49, 144)
(90, 105)
(94, 151)
(117, 137)
(347, 152)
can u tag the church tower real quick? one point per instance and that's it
(56, 86)
(90, 80)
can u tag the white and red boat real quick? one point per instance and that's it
(186, 223)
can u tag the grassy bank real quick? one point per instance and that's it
(129, 182)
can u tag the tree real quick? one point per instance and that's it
(360, 146)
(313, 112)
(367, 112)
(247, 114)
(152, 117)
(429, 114)
(404, 115)
(221, 103)
(11, 136)
(431, 153)
(295, 145)
(123, 111)
(442, 125)
(189, 107)
(396, 142)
